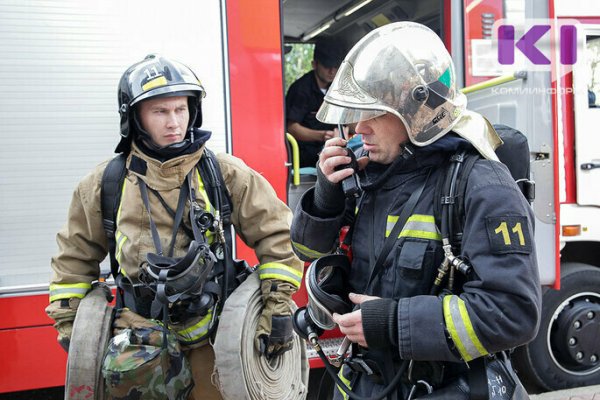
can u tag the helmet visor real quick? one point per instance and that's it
(333, 114)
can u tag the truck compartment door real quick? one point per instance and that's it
(586, 94)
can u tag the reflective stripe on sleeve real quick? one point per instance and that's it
(279, 271)
(305, 251)
(196, 332)
(461, 330)
(346, 382)
(417, 226)
(67, 290)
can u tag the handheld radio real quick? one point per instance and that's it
(350, 184)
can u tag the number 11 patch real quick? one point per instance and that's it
(508, 234)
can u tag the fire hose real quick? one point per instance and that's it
(242, 371)
(91, 333)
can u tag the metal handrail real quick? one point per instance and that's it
(295, 158)
(495, 82)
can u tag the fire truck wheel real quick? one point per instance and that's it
(566, 351)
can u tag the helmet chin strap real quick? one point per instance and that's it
(143, 136)
(407, 150)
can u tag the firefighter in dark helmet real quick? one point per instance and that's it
(171, 247)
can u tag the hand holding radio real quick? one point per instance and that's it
(339, 164)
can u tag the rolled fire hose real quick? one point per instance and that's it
(243, 373)
(89, 340)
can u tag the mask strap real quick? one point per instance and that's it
(177, 219)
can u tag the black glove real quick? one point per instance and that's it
(280, 338)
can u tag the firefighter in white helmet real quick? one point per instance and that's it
(398, 85)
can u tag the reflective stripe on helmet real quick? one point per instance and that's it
(461, 330)
(196, 332)
(279, 271)
(305, 251)
(67, 290)
(160, 81)
(417, 226)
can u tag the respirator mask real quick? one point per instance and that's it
(326, 282)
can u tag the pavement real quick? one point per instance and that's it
(582, 393)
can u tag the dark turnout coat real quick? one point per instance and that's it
(496, 307)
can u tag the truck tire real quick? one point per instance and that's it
(566, 350)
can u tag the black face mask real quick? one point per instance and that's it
(194, 139)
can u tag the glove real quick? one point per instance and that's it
(63, 313)
(274, 335)
(65, 330)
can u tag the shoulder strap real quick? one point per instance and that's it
(217, 192)
(407, 211)
(470, 158)
(110, 194)
(211, 175)
(449, 195)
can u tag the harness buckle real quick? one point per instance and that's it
(413, 391)
(357, 364)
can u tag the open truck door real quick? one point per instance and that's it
(586, 94)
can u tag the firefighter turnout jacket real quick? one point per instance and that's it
(259, 217)
(496, 307)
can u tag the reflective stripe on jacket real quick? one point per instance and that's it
(496, 307)
(259, 217)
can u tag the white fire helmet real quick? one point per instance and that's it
(402, 68)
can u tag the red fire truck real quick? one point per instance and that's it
(61, 63)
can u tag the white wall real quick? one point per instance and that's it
(60, 62)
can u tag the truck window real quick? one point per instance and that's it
(592, 50)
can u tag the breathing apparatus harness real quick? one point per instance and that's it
(324, 289)
(326, 281)
(176, 287)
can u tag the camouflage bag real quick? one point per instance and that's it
(144, 362)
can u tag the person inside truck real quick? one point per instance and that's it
(175, 204)
(304, 97)
(422, 310)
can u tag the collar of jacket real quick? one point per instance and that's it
(388, 176)
(162, 175)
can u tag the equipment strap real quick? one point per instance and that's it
(110, 194)
(178, 216)
(112, 184)
(170, 211)
(470, 158)
(407, 211)
(223, 205)
(478, 381)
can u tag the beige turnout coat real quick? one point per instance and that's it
(259, 218)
